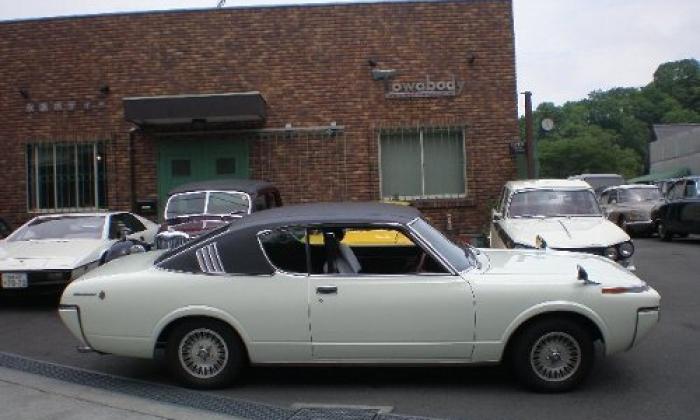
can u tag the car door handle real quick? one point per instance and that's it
(326, 290)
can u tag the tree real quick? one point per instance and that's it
(609, 131)
(681, 81)
(593, 151)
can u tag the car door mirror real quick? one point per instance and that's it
(497, 215)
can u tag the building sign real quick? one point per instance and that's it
(426, 88)
(61, 106)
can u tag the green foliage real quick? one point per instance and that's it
(609, 131)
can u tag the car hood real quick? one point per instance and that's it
(566, 232)
(558, 266)
(50, 254)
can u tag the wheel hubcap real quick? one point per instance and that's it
(203, 353)
(556, 356)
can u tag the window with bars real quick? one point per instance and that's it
(66, 176)
(422, 163)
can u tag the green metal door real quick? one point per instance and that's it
(189, 160)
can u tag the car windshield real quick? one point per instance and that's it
(553, 203)
(636, 195)
(214, 202)
(458, 257)
(64, 227)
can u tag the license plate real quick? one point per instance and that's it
(14, 280)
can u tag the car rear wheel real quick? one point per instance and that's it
(552, 355)
(663, 232)
(205, 354)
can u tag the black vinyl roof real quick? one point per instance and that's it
(339, 212)
(242, 250)
(249, 186)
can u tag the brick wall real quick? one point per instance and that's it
(309, 62)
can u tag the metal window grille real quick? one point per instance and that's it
(66, 176)
(422, 162)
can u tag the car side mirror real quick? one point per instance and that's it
(496, 215)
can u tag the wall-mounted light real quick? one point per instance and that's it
(333, 129)
(471, 57)
(24, 92)
(104, 89)
(372, 62)
(383, 74)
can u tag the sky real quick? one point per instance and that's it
(564, 48)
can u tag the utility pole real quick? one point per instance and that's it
(529, 136)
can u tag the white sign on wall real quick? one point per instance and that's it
(426, 88)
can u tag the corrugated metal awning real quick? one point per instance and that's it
(185, 109)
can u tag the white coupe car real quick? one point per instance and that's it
(357, 283)
(560, 215)
(48, 252)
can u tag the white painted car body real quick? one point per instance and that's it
(124, 306)
(576, 233)
(78, 255)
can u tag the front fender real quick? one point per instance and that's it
(556, 306)
(493, 352)
(201, 311)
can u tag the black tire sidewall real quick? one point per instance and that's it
(663, 232)
(227, 375)
(520, 354)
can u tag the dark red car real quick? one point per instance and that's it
(199, 207)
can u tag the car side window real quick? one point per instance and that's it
(133, 223)
(285, 249)
(368, 250)
(676, 191)
(690, 189)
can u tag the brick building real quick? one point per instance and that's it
(413, 100)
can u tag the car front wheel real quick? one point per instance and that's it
(663, 232)
(205, 354)
(552, 355)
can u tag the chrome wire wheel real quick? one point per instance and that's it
(203, 353)
(555, 356)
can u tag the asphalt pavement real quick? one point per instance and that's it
(656, 380)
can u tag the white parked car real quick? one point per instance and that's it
(357, 283)
(48, 252)
(560, 215)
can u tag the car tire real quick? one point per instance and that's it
(205, 354)
(552, 355)
(663, 232)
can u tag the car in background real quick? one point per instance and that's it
(282, 287)
(630, 206)
(197, 208)
(557, 214)
(5, 228)
(50, 251)
(600, 182)
(679, 215)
